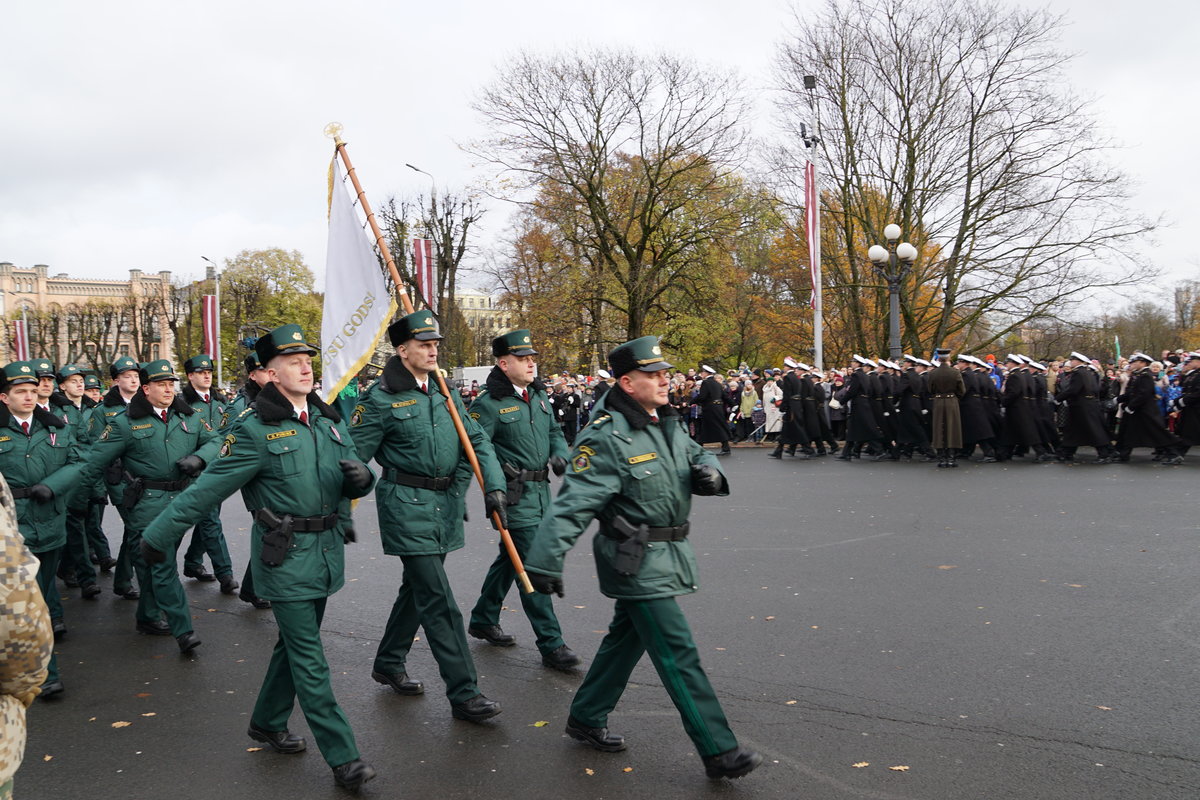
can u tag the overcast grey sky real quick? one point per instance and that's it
(148, 134)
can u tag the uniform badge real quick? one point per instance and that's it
(581, 462)
(224, 420)
(336, 434)
(542, 403)
(475, 416)
(356, 416)
(642, 458)
(104, 435)
(207, 427)
(227, 446)
(183, 424)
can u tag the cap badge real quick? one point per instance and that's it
(296, 335)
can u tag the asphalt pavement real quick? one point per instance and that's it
(876, 630)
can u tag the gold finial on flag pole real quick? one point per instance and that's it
(334, 131)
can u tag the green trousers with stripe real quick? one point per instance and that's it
(659, 628)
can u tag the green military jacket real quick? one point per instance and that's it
(49, 455)
(213, 412)
(238, 405)
(622, 464)
(409, 431)
(149, 449)
(279, 465)
(524, 435)
(96, 421)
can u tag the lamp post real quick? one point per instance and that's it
(217, 332)
(893, 264)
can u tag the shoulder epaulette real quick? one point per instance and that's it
(600, 420)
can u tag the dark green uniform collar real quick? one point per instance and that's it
(499, 386)
(620, 402)
(274, 408)
(140, 406)
(396, 377)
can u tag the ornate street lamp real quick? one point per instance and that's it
(893, 264)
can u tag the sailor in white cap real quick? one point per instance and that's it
(1141, 421)
(977, 428)
(713, 425)
(1187, 426)
(862, 428)
(1020, 430)
(1078, 387)
(793, 431)
(912, 412)
(603, 385)
(1043, 409)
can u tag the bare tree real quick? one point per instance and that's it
(952, 118)
(629, 156)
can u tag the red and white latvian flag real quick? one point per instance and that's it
(425, 271)
(210, 323)
(812, 227)
(357, 306)
(20, 341)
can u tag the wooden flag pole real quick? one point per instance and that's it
(463, 436)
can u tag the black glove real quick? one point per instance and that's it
(496, 501)
(349, 535)
(355, 474)
(707, 479)
(558, 464)
(41, 493)
(190, 465)
(151, 555)
(546, 584)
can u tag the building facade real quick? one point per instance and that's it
(87, 321)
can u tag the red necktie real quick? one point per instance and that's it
(525, 395)
(205, 398)
(25, 427)
(164, 415)
(304, 418)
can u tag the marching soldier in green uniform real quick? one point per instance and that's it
(208, 536)
(294, 460)
(93, 527)
(403, 423)
(634, 469)
(256, 378)
(162, 444)
(75, 567)
(36, 451)
(126, 377)
(514, 412)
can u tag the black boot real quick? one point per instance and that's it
(777, 452)
(845, 456)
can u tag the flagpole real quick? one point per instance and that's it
(335, 131)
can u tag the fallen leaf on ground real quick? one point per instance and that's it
(768, 618)
(91, 719)
(211, 610)
(580, 606)
(790, 703)
(948, 566)
(121, 724)
(861, 764)
(899, 768)
(589, 771)
(1075, 585)
(720, 648)
(47, 758)
(253, 749)
(1104, 708)
(150, 714)
(142, 694)
(541, 723)
(815, 627)
(628, 769)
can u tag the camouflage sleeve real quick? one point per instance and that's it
(26, 640)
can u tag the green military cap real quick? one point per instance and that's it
(159, 370)
(198, 363)
(418, 325)
(644, 354)
(18, 372)
(252, 362)
(43, 368)
(122, 364)
(513, 343)
(68, 370)
(91, 381)
(286, 340)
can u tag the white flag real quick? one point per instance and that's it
(358, 307)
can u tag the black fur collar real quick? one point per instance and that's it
(274, 408)
(48, 418)
(192, 396)
(113, 398)
(499, 386)
(634, 414)
(88, 402)
(140, 407)
(396, 378)
(251, 389)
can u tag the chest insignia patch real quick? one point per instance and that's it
(227, 446)
(335, 433)
(510, 409)
(141, 427)
(404, 403)
(542, 403)
(207, 427)
(643, 457)
(104, 434)
(356, 416)
(224, 420)
(280, 435)
(5, 438)
(581, 462)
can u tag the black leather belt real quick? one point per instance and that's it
(676, 533)
(302, 524)
(417, 481)
(20, 492)
(167, 486)
(535, 475)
